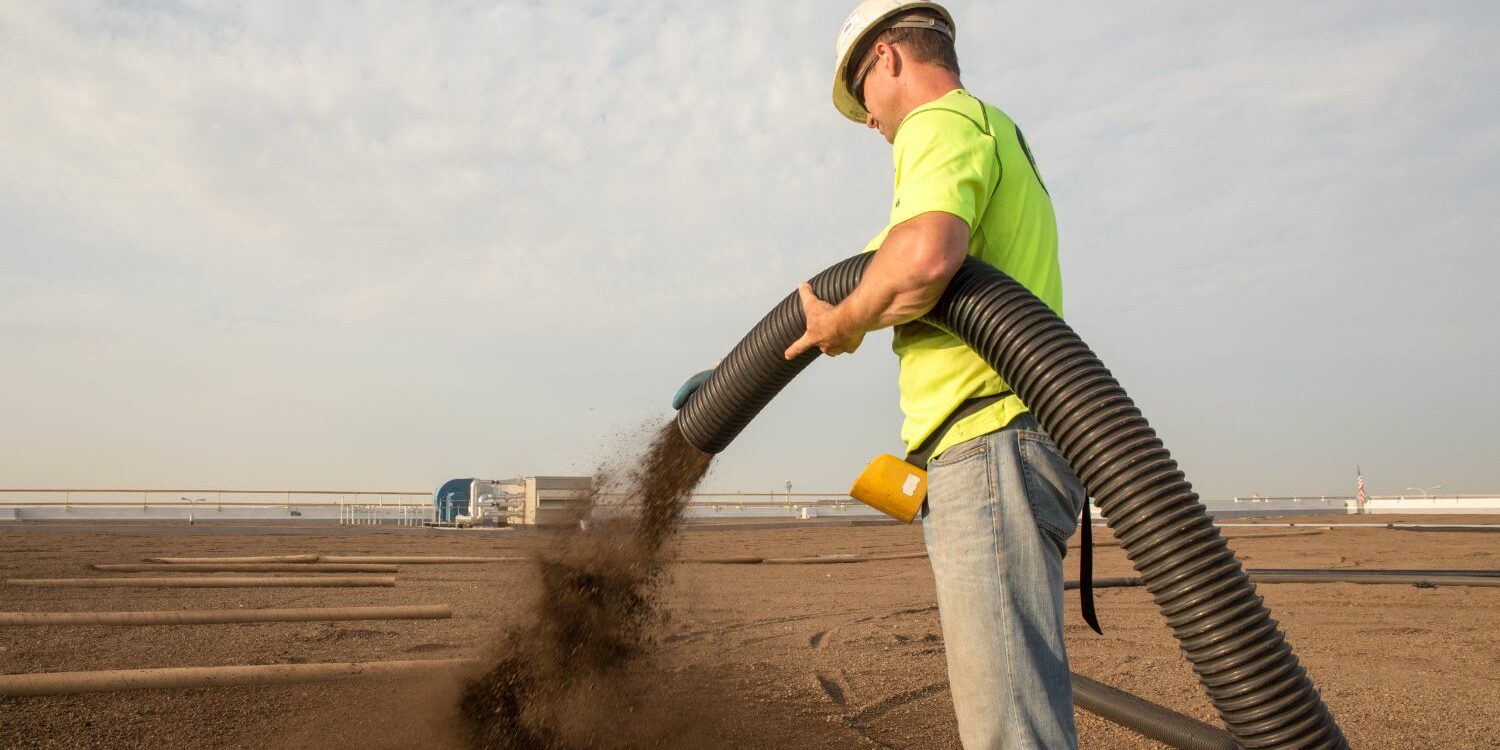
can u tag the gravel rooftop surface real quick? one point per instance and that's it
(750, 656)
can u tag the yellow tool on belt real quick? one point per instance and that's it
(891, 486)
(898, 488)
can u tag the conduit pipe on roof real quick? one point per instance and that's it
(1235, 537)
(1438, 572)
(1240, 655)
(730, 560)
(222, 616)
(252, 559)
(1374, 578)
(418, 560)
(67, 683)
(1124, 582)
(1334, 575)
(207, 582)
(1157, 722)
(242, 568)
(839, 559)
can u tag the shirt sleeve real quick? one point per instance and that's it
(944, 162)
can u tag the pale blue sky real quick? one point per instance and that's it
(378, 245)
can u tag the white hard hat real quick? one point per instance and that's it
(868, 16)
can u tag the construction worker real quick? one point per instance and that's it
(1001, 500)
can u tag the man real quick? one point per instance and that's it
(1001, 500)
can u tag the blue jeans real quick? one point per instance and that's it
(999, 511)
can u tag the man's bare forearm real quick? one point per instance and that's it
(908, 275)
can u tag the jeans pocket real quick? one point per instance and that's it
(1055, 494)
(961, 452)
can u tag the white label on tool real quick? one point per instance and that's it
(910, 485)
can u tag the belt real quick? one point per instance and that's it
(923, 454)
(969, 408)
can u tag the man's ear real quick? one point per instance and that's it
(893, 59)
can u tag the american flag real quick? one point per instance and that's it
(1359, 493)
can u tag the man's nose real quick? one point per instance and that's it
(870, 121)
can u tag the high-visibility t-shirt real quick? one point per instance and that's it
(958, 155)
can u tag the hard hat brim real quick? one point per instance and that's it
(847, 105)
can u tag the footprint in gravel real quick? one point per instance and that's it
(422, 647)
(831, 687)
(340, 634)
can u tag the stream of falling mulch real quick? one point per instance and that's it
(567, 676)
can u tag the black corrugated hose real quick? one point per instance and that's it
(1262, 694)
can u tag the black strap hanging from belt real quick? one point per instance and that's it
(923, 454)
(1086, 567)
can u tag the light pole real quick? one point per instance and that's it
(190, 502)
(1424, 490)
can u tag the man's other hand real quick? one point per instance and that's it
(825, 329)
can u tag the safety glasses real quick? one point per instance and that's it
(859, 78)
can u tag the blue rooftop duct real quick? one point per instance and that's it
(452, 499)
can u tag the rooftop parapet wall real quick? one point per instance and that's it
(1434, 504)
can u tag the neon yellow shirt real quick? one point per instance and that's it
(960, 156)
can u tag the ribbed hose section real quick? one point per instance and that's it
(1241, 657)
(755, 371)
